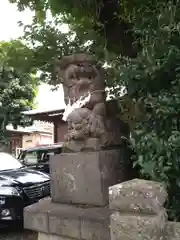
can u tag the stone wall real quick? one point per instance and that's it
(138, 213)
(135, 212)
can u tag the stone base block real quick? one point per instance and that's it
(84, 177)
(172, 231)
(66, 222)
(138, 196)
(145, 227)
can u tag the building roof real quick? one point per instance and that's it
(42, 111)
(45, 115)
(18, 130)
(31, 129)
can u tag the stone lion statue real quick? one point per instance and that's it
(97, 119)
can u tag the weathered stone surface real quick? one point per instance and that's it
(44, 236)
(64, 221)
(92, 230)
(172, 231)
(137, 196)
(84, 178)
(64, 227)
(35, 217)
(128, 227)
(69, 221)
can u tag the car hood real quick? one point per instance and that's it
(22, 177)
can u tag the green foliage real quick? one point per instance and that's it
(17, 85)
(152, 76)
(49, 45)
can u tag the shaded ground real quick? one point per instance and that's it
(17, 235)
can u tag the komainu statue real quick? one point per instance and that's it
(92, 121)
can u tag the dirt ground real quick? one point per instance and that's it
(17, 235)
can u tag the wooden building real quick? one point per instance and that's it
(22, 138)
(51, 116)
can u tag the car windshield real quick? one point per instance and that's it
(8, 162)
(30, 157)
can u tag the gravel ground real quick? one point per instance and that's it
(17, 235)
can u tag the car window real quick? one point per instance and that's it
(46, 156)
(31, 158)
(38, 156)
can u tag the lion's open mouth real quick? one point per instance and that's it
(83, 88)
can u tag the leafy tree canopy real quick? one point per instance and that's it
(18, 85)
(141, 42)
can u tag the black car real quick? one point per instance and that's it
(19, 187)
(37, 158)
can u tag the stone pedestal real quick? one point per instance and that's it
(84, 177)
(66, 222)
(79, 206)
